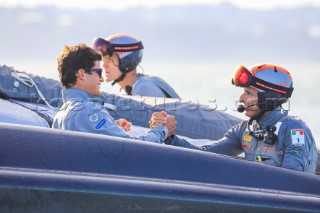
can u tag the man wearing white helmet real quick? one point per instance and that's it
(270, 136)
(121, 55)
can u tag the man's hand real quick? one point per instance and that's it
(171, 124)
(124, 124)
(158, 119)
(161, 118)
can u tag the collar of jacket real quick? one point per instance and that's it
(79, 94)
(271, 118)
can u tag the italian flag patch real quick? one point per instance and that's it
(297, 137)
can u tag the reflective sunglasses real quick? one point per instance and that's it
(102, 45)
(98, 70)
(242, 77)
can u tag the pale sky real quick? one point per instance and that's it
(123, 4)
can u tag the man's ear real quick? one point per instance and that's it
(80, 74)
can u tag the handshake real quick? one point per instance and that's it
(157, 119)
(161, 118)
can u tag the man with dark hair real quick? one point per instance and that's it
(81, 74)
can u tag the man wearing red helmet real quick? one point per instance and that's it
(122, 53)
(270, 136)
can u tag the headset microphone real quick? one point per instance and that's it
(241, 108)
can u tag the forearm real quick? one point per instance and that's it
(176, 141)
(157, 134)
(225, 146)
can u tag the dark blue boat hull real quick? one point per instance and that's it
(50, 170)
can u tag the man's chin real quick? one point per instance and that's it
(251, 113)
(97, 93)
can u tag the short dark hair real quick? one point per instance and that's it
(73, 58)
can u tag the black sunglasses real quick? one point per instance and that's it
(98, 70)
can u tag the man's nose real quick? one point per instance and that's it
(241, 99)
(105, 64)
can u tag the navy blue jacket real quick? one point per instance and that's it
(295, 148)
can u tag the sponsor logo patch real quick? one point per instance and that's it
(247, 138)
(266, 148)
(247, 147)
(93, 117)
(280, 152)
(298, 151)
(100, 124)
(297, 137)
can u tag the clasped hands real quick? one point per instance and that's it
(161, 118)
(157, 119)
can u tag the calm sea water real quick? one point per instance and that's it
(210, 84)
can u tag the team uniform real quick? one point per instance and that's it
(83, 112)
(152, 86)
(294, 148)
(270, 136)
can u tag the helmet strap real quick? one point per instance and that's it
(129, 90)
(269, 101)
(123, 74)
(261, 103)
